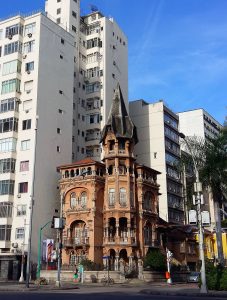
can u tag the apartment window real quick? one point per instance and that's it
(29, 29)
(10, 104)
(58, 149)
(29, 47)
(5, 232)
(83, 118)
(1, 34)
(6, 187)
(74, 106)
(58, 130)
(62, 41)
(78, 131)
(58, 1)
(58, 20)
(82, 150)
(7, 165)
(96, 42)
(74, 14)
(6, 209)
(12, 48)
(11, 67)
(8, 124)
(58, 11)
(93, 119)
(61, 56)
(83, 133)
(29, 66)
(75, 1)
(73, 138)
(24, 166)
(13, 30)
(9, 86)
(28, 86)
(19, 234)
(8, 144)
(73, 28)
(27, 105)
(78, 149)
(93, 87)
(61, 92)
(26, 124)
(73, 156)
(25, 145)
(111, 197)
(21, 210)
(74, 122)
(0, 51)
(60, 111)
(23, 187)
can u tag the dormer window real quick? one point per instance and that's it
(122, 144)
(112, 145)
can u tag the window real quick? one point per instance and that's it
(12, 48)
(8, 144)
(61, 92)
(58, 1)
(6, 187)
(13, 30)
(60, 111)
(29, 66)
(25, 145)
(29, 29)
(61, 56)
(96, 42)
(58, 20)
(83, 199)
(9, 86)
(58, 11)
(93, 87)
(23, 187)
(74, 14)
(58, 130)
(5, 232)
(26, 124)
(7, 165)
(9, 124)
(6, 209)
(73, 200)
(111, 197)
(73, 138)
(58, 149)
(73, 28)
(19, 234)
(24, 166)
(27, 105)
(28, 86)
(62, 41)
(10, 104)
(11, 67)
(147, 201)
(21, 210)
(122, 199)
(29, 47)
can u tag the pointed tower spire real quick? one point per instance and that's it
(119, 121)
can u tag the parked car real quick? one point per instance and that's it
(194, 277)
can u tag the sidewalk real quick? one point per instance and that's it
(153, 288)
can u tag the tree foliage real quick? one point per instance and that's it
(155, 260)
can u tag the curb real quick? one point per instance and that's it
(183, 294)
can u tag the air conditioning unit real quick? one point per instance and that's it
(19, 196)
(15, 245)
(10, 36)
(28, 72)
(24, 56)
(29, 35)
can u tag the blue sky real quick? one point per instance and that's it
(177, 49)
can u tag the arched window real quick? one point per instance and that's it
(110, 170)
(122, 199)
(83, 199)
(66, 174)
(72, 173)
(73, 200)
(89, 171)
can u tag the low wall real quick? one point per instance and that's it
(153, 276)
(89, 276)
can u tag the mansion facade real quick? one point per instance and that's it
(110, 207)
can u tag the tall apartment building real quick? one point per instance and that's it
(200, 123)
(58, 73)
(159, 149)
(101, 61)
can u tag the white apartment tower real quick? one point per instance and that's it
(200, 123)
(101, 61)
(58, 72)
(159, 149)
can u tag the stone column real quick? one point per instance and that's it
(140, 269)
(116, 263)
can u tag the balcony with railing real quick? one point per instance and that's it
(75, 242)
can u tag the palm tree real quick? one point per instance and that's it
(211, 160)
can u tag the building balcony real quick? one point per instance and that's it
(115, 240)
(75, 242)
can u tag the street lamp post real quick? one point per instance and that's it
(198, 191)
(39, 249)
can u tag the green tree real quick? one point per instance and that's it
(211, 160)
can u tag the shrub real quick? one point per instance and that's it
(223, 280)
(155, 260)
(89, 265)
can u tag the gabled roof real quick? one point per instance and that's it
(119, 121)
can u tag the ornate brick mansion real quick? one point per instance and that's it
(111, 208)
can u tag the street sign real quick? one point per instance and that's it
(205, 218)
(192, 217)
